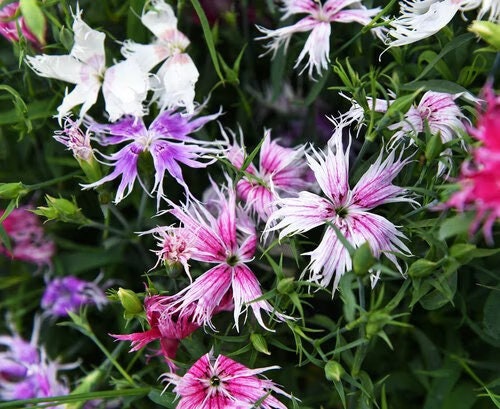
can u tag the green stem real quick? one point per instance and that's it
(53, 181)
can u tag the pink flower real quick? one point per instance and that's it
(166, 140)
(9, 24)
(229, 241)
(318, 19)
(223, 383)
(29, 242)
(349, 210)
(281, 173)
(73, 138)
(480, 179)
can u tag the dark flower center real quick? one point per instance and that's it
(214, 381)
(341, 211)
(232, 260)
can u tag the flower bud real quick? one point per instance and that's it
(422, 268)
(286, 285)
(363, 260)
(488, 31)
(61, 209)
(259, 343)
(130, 302)
(14, 190)
(434, 147)
(334, 371)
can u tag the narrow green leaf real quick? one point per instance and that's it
(34, 18)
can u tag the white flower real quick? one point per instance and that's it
(420, 19)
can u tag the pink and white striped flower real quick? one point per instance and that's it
(229, 241)
(167, 140)
(318, 20)
(281, 173)
(219, 382)
(420, 19)
(349, 210)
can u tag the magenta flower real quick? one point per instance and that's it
(9, 24)
(29, 242)
(166, 140)
(70, 293)
(75, 140)
(349, 210)
(318, 19)
(479, 179)
(223, 383)
(282, 173)
(229, 241)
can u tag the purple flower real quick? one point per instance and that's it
(166, 140)
(349, 210)
(25, 370)
(282, 173)
(223, 383)
(318, 19)
(229, 241)
(69, 293)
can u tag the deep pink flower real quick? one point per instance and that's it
(216, 383)
(167, 140)
(29, 242)
(318, 19)
(229, 241)
(167, 326)
(9, 24)
(349, 210)
(480, 180)
(281, 173)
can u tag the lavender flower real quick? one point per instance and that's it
(349, 210)
(70, 293)
(166, 140)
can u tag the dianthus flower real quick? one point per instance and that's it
(25, 370)
(281, 173)
(166, 140)
(219, 382)
(29, 242)
(63, 294)
(349, 210)
(318, 19)
(174, 83)
(480, 180)
(167, 326)
(9, 24)
(420, 19)
(124, 85)
(229, 241)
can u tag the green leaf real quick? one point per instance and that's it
(455, 225)
(491, 317)
(34, 18)
(436, 85)
(164, 399)
(208, 37)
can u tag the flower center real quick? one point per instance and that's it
(232, 260)
(214, 381)
(341, 212)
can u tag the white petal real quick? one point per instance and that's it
(89, 44)
(146, 55)
(59, 67)
(125, 88)
(160, 18)
(84, 93)
(178, 78)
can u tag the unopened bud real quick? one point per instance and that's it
(61, 209)
(286, 285)
(422, 268)
(130, 301)
(488, 31)
(259, 343)
(334, 371)
(363, 260)
(12, 190)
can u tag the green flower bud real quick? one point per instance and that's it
(434, 147)
(286, 285)
(334, 371)
(422, 268)
(488, 31)
(259, 343)
(12, 190)
(130, 301)
(363, 260)
(61, 209)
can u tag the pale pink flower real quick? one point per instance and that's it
(439, 112)
(28, 239)
(229, 241)
(75, 140)
(349, 210)
(318, 20)
(420, 19)
(219, 382)
(480, 180)
(281, 173)
(167, 140)
(9, 24)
